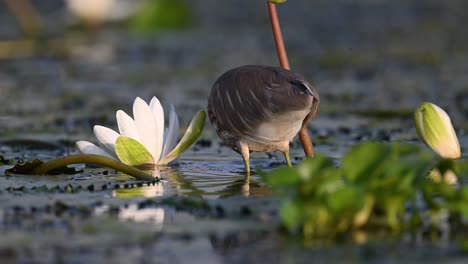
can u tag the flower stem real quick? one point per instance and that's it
(96, 159)
(283, 58)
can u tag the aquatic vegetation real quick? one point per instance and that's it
(143, 140)
(156, 15)
(378, 185)
(59, 166)
(435, 129)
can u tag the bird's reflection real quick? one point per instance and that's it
(180, 180)
(246, 187)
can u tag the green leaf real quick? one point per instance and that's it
(283, 177)
(132, 152)
(191, 135)
(461, 167)
(313, 166)
(291, 214)
(28, 167)
(363, 161)
(59, 166)
(345, 198)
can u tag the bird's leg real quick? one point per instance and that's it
(244, 150)
(286, 156)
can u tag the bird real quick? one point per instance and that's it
(259, 108)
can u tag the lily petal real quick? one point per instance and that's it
(172, 133)
(191, 135)
(106, 137)
(86, 147)
(166, 132)
(146, 126)
(126, 125)
(158, 113)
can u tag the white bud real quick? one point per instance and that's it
(435, 129)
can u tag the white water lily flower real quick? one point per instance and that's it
(143, 138)
(435, 129)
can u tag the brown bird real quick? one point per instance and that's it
(261, 108)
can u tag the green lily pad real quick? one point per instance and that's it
(132, 152)
(191, 135)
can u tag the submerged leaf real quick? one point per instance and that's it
(132, 152)
(191, 135)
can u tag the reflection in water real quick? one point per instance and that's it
(247, 188)
(208, 178)
(132, 212)
(215, 179)
(149, 191)
(148, 215)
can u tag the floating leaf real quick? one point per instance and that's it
(132, 152)
(191, 135)
(29, 167)
(37, 167)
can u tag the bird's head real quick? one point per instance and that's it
(294, 94)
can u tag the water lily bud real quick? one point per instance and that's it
(435, 129)
(277, 1)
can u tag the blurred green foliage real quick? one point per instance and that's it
(157, 15)
(383, 186)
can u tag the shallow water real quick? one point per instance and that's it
(372, 64)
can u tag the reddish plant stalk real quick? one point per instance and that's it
(304, 136)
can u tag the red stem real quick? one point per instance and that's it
(284, 62)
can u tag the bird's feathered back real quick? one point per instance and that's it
(244, 97)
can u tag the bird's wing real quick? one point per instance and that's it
(237, 103)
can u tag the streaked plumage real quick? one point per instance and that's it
(261, 108)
